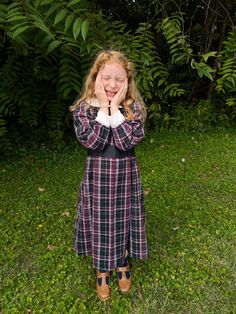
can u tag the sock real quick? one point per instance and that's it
(100, 279)
(125, 263)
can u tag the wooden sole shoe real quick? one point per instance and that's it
(102, 285)
(124, 279)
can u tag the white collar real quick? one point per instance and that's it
(94, 102)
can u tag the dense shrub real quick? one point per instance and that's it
(46, 48)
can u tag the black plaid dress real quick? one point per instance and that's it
(111, 213)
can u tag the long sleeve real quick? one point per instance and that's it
(91, 133)
(127, 133)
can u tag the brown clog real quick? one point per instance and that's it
(103, 290)
(124, 278)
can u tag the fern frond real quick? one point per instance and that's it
(226, 83)
(180, 49)
(69, 78)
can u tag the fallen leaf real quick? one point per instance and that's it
(216, 166)
(176, 228)
(41, 189)
(39, 226)
(67, 214)
(41, 169)
(147, 191)
(51, 247)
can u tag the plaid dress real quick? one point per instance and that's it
(110, 205)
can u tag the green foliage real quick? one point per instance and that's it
(153, 77)
(180, 49)
(41, 71)
(194, 118)
(226, 83)
(203, 69)
(46, 48)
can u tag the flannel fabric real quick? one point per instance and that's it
(110, 205)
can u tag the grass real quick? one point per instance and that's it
(189, 182)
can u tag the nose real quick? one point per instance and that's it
(112, 83)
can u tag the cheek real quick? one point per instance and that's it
(119, 84)
(104, 83)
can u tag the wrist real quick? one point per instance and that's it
(104, 110)
(104, 104)
(114, 108)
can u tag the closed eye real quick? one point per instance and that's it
(105, 78)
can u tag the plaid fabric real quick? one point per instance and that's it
(111, 213)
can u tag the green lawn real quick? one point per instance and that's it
(190, 186)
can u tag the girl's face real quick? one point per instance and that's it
(113, 76)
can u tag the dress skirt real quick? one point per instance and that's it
(111, 213)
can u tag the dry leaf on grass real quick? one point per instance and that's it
(51, 247)
(147, 191)
(67, 214)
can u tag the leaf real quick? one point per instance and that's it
(13, 12)
(60, 16)
(77, 27)
(16, 18)
(208, 74)
(53, 45)
(68, 22)
(84, 29)
(231, 101)
(43, 27)
(166, 89)
(160, 82)
(51, 247)
(37, 3)
(147, 191)
(19, 31)
(71, 3)
(66, 213)
(209, 54)
(43, 2)
(53, 7)
(176, 228)
(66, 92)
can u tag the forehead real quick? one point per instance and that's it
(113, 68)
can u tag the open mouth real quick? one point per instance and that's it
(110, 94)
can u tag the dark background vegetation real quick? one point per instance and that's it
(184, 53)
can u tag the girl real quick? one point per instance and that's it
(108, 120)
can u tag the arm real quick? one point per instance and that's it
(126, 133)
(91, 133)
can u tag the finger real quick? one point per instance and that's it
(100, 82)
(124, 88)
(97, 81)
(126, 84)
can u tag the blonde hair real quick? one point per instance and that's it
(132, 94)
